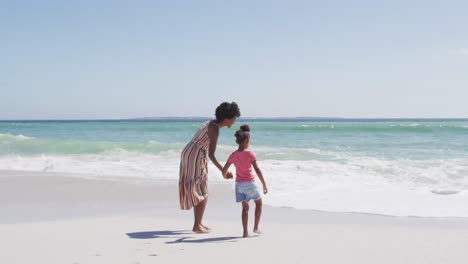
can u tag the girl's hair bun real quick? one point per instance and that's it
(245, 128)
(242, 134)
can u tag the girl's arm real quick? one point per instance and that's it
(260, 176)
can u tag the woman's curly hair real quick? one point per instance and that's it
(227, 111)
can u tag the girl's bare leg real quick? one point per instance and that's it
(245, 217)
(258, 214)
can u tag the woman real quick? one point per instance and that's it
(193, 185)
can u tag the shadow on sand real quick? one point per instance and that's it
(204, 240)
(177, 234)
(158, 234)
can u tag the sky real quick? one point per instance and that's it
(125, 59)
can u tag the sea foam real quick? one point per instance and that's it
(352, 184)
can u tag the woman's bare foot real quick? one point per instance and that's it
(200, 230)
(246, 234)
(257, 231)
(205, 227)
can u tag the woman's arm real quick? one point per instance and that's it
(225, 170)
(213, 133)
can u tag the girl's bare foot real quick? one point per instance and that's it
(257, 231)
(246, 234)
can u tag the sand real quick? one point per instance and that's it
(57, 218)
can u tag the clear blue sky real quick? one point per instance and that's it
(122, 59)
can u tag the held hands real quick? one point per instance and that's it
(228, 175)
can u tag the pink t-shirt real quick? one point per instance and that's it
(243, 162)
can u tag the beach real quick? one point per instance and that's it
(357, 129)
(55, 218)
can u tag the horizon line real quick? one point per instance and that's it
(188, 118)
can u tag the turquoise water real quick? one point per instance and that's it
(411, 139)
(320, 164)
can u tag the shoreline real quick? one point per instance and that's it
(112, 193)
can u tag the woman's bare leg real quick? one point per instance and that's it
(201, 220)
(198, 212)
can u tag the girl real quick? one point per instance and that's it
(246, 189)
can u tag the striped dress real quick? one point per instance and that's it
(193, 186)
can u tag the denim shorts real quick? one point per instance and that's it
(246, 191)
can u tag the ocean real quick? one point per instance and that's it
(399, 167)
